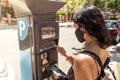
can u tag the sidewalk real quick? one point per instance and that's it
(4, 22)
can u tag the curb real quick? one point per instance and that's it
(66, 24)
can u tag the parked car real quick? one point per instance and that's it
(114, 30)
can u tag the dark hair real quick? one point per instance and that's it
(92, 20)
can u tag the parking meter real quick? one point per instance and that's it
(37, 31)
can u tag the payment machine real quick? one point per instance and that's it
(37, 32)
(46, 35)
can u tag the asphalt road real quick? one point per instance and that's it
(9, 47)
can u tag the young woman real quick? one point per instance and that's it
(90, 28)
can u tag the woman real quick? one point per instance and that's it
(90, 28)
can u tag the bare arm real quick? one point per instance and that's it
(82, 68)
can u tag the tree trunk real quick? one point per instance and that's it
(8, 18)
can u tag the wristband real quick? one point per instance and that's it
(69, 57)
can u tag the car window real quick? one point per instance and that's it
(110, 24)
(114, 24)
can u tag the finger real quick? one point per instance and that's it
(55, 45)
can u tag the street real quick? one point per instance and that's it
(9, 47)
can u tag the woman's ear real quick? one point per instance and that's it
(84, 30)
(76, 26)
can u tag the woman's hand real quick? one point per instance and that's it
(61, 50)
(56, 75)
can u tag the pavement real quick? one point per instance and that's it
(4, 22)
(9, 52)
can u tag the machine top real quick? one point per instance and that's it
(20, 8)
(29, 7)
(43, 6)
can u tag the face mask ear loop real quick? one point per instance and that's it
(82, 28)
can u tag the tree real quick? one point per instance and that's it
(73, 4)
(100, 4)
(114, 6)
(111, 5)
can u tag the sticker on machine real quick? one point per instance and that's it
(23, 24)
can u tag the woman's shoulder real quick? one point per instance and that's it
(83, 65)
(82, 59)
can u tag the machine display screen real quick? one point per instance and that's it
(48, 32)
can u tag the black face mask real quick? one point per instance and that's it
(79, 34)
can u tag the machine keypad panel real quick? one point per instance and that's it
(47, 45)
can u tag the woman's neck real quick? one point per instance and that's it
(91, 44)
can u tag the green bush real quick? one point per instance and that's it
(70, 14)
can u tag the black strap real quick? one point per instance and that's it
(93, 55)
(96, 57)
(106, 62)
(111, 72)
